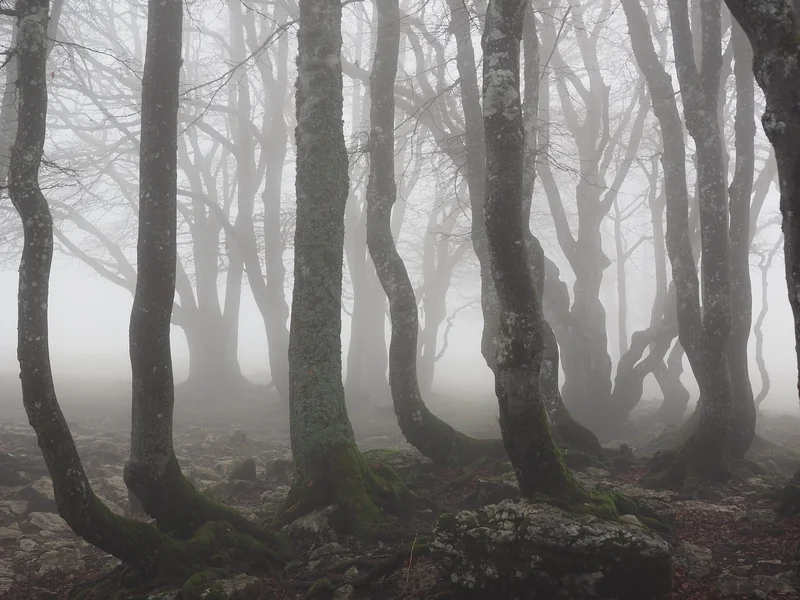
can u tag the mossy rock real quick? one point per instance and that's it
(519, 548)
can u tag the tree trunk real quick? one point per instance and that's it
(743, 413)
(764, 265)
(705, 337)
(328, 467)
(773, 31)
(430, 435)
(133, 542)
(676, 396)
(523, 418)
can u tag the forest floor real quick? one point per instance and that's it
(727, 545)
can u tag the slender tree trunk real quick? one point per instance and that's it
(133, 542)
(429, 434)
(328, 467)
(773, 31)
(764, 265)
(523, 418)
(622, 292)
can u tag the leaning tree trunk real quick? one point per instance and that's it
(523, 418)
(430, 435)
(133, 542)
(328, 467)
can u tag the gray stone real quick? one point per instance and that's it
(39, 495)
(15, 507)
(694, 560)
(331, 548)
(345, 592)
(313, 527)
(517, 546)
(9, 534)
(496, 489)
(27, 545)
(49, 522)
(65, 560)
(733, 585)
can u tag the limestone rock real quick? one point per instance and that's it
(241, 587)
(518, 547)
(65, 560)
(9, 534)
(49, 522)
(313, 527)
(693, 559)
(39, 495)
(760, 585)
(496, 489)
(346, 592)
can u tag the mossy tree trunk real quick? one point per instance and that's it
(704, 336)
(133, 542)
(430, 435)
(523, 418)
(328, 467)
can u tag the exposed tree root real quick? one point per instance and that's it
(363, 494)
(693, 467)
(215, 551)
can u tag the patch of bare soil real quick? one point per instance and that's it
(728, 545)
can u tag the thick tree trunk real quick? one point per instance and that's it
(523, 418)
(133, 542)
(328, 467)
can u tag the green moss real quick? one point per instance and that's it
(322, 589)
(363, 494)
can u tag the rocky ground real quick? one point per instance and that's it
(730, 544)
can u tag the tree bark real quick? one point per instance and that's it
(704, 337)
(764, 265)
(430, 435)
(133, 542)
(328, 467)
(773, 30)
(523, 418)
(743, 410)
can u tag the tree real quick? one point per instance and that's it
(156, 555)
(706, 335)
(773, 28)
(523, 418)
(328, 466)
(430, 435)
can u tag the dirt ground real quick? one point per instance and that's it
(729, 545)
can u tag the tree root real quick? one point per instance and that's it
(696, 465)
(363, 494)
(215, 551)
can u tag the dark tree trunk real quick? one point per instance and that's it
(328, 467)
(133, 542)
(773, 30)
(430, 435)
(743, 413)
(523, 418)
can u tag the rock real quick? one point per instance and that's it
(65, 560)
(313, 527)
(346, 592)
(518, 546)
(763, 585)
(39, 495)
(27, 545)
(241, 587)
(276, 496)
(694, 560)
(237, 439)
(279, 470)
(15, 507)
(49, 522)
(496, 489)
(243, 471)
(331, 548)
(6, 571)
(5, 585)
(9, 534)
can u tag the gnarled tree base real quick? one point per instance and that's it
(697, 464)
(363, 494)
(214, 552)
(579, 446)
